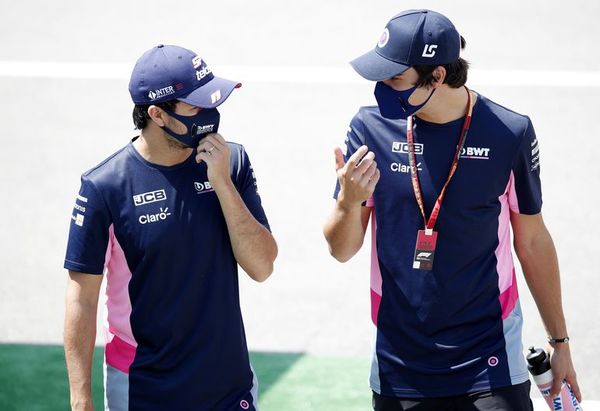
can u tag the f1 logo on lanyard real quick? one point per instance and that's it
(427, 238)
(425, 249)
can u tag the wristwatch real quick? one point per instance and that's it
(564, 340)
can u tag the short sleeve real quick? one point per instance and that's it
(525, 193)
(248, 188)
(354, 140)
(89, 231)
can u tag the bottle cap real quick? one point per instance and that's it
(538, 361)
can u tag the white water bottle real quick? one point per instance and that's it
(538, 363)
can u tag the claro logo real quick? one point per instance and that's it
(154, 218)
(149, 197)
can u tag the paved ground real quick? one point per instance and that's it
(55, 127)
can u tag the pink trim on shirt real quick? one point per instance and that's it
(376, 281)
(120, 343)
(119, 354)
(513, 201)
(507, 284)
(508, 299)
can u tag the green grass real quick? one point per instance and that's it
(34, 377)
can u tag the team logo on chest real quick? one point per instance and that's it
(149, 197)
(475, 153)
(155, 218)
(402, 147)
(202, 188)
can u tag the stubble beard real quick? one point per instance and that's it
(174, 144)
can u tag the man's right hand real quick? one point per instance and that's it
(358, 177)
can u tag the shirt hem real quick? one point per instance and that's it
(478, 387)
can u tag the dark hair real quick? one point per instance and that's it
(456, 72)
(140, 113)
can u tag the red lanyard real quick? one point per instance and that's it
(429, 224)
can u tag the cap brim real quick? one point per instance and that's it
(375, 67)
(211, 94)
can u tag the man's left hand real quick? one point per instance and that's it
(214, 151)
(563, 370)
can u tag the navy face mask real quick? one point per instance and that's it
(394, 104)
(198, 126)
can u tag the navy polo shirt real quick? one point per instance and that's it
(457, 328)
(174, 327)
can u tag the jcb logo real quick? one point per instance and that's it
(429, 50)
(400, 147)
(149, 197)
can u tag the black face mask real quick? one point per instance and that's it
(198, 126)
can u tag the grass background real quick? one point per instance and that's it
(34, 378)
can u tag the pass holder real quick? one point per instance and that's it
(425, 249)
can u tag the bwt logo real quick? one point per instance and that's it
(400, 147)
(482, 153)
(197, 130)
(203, 187)
(149, 197)
(557, 403)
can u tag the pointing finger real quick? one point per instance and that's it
(355, 158)
(366, 162)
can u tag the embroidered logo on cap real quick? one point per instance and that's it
(197, 62)
(216, 96)
(429, 50)
(383, 40)
(202, 70)
(161, 92)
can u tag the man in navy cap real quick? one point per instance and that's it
(167, 219)
(454, 172)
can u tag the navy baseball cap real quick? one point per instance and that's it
(411, 38)
(166, 73)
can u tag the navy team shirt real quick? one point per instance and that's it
(455, 329)
(175, 337)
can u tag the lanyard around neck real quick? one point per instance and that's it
(430, 223)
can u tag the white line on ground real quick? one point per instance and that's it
(295, 75)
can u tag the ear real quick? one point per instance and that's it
(439, 74)
(157, 115)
